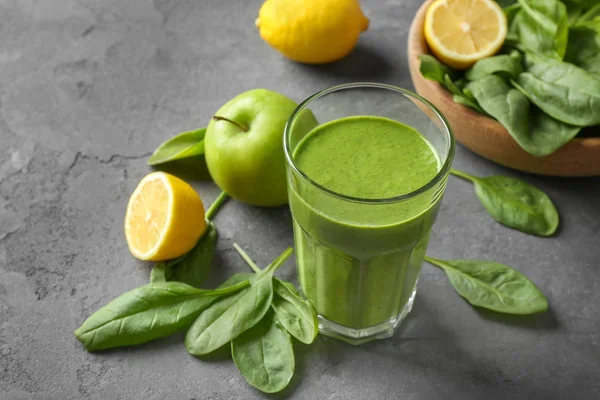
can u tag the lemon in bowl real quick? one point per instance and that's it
(461, 32)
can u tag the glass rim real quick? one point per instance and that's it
(407, 93)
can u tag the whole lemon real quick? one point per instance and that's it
(312, 31)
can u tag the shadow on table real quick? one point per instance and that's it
(541, 321)
(411, 349)
(424, 344)
(226, 261)
(363, 64)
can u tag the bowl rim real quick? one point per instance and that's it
(417, 46)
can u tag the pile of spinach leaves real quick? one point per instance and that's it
(255, 314)
(544, 85)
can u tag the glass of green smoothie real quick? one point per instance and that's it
(367, 165)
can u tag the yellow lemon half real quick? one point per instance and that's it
(461, 32)
(164, 218)
(312, 31)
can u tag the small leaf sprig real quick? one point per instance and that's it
(264, 354)
(295, 313)
(183, 145)
(515, 203)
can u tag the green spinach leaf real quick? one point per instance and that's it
(452, 86)
(236, 279)
(460, 97)
(295, 313)
(584, 3)
(264, 355)
(546, 134)
(590, 15)
(507, 66)
(537, 133)
(541, 26)
(467, 102)
(581, 12)
(194, 266)
(562, 90)
(493, 286)
(512, 35)
(434, 70)
(515, 203)
(228, 317)
(584, 49)
(499, 100)
(574, 12)
(147, 313)
(183, 145)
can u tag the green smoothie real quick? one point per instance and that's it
(359, 261)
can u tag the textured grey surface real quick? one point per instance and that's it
(90, 87)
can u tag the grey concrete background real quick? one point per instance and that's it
(90, 87)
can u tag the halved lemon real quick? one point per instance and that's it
(164, 218)
(462, 32)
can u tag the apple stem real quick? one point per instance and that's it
(242, 127)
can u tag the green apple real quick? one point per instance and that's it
(244, 147)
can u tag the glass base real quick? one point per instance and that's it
(359, 336)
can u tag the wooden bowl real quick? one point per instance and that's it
(485, 136)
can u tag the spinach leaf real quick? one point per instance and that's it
(467, 102)
(562, 90)
(493, 286)
(460, 97)
(574, 12)
(546, 134)
(183, 145)
(512, 35)
(236, 279)
(541, 26)
(507, 66)
(230, 316)
(584, 49)
(590, 15)
(161, 270)
(147, 313)
(498, 99)
(264, 355)
(191, 268)
(515, 203)
(295, 313)
(452, 86)
(537, 133)
(434, 70)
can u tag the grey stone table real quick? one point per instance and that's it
(90, 87)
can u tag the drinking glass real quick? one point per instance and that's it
(360, 269)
